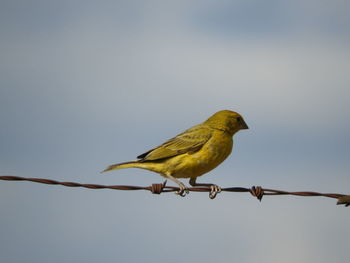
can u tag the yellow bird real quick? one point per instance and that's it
(192, 153)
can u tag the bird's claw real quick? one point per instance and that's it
(214, 190)
(182, 190)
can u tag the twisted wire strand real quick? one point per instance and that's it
(256, 191)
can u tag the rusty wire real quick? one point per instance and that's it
(256, 191)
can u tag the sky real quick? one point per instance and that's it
(84, 84)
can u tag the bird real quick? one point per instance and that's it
(193, 152)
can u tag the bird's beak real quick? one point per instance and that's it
(244, 126)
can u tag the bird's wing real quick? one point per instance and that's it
(190, 140)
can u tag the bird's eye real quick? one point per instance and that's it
(239, 119)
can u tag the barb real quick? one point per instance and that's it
(256, 191)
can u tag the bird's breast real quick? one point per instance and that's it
(216, 150)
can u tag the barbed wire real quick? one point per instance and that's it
(256, 191)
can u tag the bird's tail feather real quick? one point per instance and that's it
(118, 166)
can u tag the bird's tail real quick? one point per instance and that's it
(118, 166)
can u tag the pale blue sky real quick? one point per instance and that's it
(84, 84)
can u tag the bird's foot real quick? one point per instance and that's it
(214, 190)
(183, 190)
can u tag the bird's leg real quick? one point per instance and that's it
(183, 189)
(214, 189)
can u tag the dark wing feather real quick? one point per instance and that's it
(191, 140)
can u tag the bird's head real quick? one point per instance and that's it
(228, 121)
